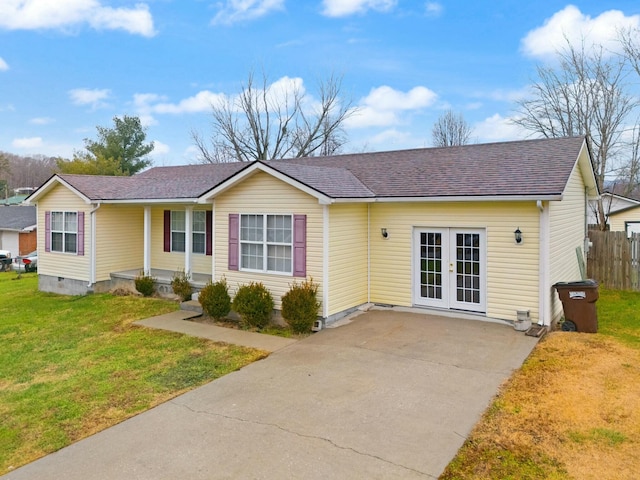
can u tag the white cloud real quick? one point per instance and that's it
(159, 149)
(234, 11)
(147, 104)
(382, 105)
(41, 121)
(342, 8)
(200, 102)
(27, 143)
(570, 24)
(498, 128)
(3, 65)
(94, 97)
(433, 9)
(64, 14)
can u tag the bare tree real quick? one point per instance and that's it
(266, 122)
(585, 95)
(450, 130)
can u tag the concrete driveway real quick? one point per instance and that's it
(390, 395)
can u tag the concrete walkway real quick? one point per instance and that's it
(176, 322)
(388, 396)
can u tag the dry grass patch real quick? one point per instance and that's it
(572, 411)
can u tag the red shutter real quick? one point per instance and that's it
(299, 245)
(167, 230)
(47, 231)
(234, 243)
(208, 232)
(80, 236)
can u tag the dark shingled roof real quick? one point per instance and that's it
(523, 168)
(17, 218)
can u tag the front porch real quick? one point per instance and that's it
(125, 279)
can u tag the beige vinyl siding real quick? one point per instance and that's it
(119, 239)
(173, 261)
(617, 220)
(567, 232)
(56, 264)
(347, 256)
(264, 194)
(512, 270)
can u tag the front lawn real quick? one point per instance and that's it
(71, 366)
(571, 412)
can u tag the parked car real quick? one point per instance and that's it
(26, 263)
(5, 260)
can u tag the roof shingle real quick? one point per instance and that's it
(522, 168)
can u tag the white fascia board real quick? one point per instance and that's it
(44, 189)
(493, 198)
(144, 201)
(254, 168)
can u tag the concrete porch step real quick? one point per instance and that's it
(191, 306)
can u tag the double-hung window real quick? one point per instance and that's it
(64, 232)
(178, 231)
(199, 232)
(266, 243)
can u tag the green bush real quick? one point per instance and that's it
(145, 284)
(254, 304)
(181, 286)
(215, 299)
(300, 306)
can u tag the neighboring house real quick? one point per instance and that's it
(611, 204)
(432, 228)
(626, 220)
(15, 200)
(18, 229)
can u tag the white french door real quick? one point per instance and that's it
(450, 268)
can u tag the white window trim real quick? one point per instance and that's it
(265, 244)
(64, 232)
(199, 232)
(172, 231)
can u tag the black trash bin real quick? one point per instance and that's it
(579, 304)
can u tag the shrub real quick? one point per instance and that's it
(145, 284)
(215, 299)
(254, 304)
(181, 286)
(300, 306)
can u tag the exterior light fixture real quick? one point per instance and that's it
(384, 233)
(518, 235)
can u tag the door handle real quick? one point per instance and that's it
(451, 267)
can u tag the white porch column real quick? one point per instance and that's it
(147, 240)
(213, 240)
(188, 239)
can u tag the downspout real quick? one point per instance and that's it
(188, 234)
(147, 240)
(325, 261)
(92, 260)
(544, 290)
(368, 253)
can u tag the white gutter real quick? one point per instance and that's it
(461, 198)
(544, 282)
(368, 253)
(325, 261)
(92, 260)
(147, 240)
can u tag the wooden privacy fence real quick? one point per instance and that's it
(614, 260)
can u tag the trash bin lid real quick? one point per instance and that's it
(578, 283)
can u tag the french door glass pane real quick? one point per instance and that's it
(468, 267)
(431, 265)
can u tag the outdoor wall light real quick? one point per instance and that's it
(518, 235)
(384, 233)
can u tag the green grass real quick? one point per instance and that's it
(500, 446)
(71, 366)
(619, 316)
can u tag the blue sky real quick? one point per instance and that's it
(67, 66)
